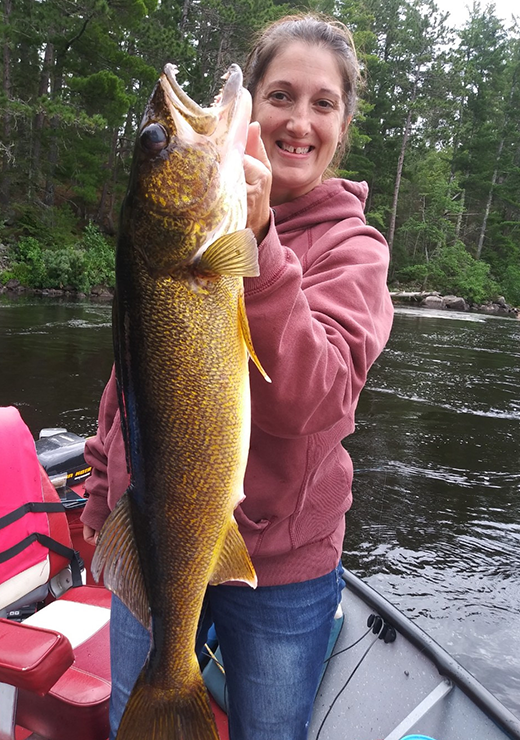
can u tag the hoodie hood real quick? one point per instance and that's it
(334, 200)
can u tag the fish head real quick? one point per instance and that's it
(187, 186)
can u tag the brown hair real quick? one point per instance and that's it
(314, 30)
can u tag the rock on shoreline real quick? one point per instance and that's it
(433, 299)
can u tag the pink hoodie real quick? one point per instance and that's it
(320, 314)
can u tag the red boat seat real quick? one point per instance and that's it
(66, 644)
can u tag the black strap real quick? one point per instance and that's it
(32, 507)
(72, 556)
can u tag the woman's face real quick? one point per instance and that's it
(299, 105)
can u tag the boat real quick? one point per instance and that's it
(383, 679)
(390, 680)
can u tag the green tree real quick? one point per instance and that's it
(452, 270)
(480, 60)
(436, 135)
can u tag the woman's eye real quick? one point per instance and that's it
(325, 104)
(278, 95)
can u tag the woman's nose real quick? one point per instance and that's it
(299, 121)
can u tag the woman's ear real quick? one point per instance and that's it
(344, 129)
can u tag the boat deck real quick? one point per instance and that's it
(377, 690)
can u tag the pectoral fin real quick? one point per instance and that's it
(116, 556)
(234, 563)
(233, 254)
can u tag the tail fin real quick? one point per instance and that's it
(164, 714)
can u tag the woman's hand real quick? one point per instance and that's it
(257, 169)
(90, 535)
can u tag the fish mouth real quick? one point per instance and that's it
(206, 147)
(224, 123)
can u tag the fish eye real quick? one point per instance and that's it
(153, 138)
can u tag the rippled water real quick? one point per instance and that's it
(55, 358)
(435, 523)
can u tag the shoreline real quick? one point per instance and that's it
(14, 289)
(427, 299)
(435, 300)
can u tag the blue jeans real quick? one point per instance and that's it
(273, 642)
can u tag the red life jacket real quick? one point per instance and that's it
(33, 523)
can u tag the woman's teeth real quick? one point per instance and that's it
(294, 149)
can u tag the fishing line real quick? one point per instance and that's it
(327, 713)
(383, 501)
(214, 658)
(379, 507)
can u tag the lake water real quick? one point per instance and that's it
(435, 524)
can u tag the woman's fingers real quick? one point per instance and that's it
(90, 535)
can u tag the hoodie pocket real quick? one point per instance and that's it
(325, 499)
(250, 530)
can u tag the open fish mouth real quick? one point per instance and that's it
(224, 123)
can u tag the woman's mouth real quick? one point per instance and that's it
(293, 149)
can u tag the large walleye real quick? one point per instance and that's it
(182, 344)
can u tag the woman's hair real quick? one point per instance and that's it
(316, 31)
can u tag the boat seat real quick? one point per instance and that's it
(55, 669)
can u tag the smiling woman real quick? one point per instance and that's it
(303, 77)
(302, 117)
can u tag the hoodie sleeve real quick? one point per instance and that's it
(97, 507)
(317, 326)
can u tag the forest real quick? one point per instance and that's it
(436, 135)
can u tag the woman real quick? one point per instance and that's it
(320, 314)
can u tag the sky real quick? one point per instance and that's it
(459, 9)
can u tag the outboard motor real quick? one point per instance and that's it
(60, 452)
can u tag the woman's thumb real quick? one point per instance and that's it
(255, 146)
